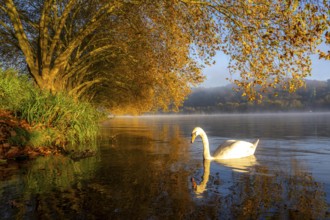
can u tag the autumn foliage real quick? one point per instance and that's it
(144, 55)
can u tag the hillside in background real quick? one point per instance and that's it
(314, 97)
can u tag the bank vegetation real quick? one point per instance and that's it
(43, 122)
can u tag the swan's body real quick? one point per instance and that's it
(230, 149)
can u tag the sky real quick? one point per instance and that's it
(216, 75)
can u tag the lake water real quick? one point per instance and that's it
(147, 169)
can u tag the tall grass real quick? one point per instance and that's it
(74, 125)
(14, 89)
(57, 120)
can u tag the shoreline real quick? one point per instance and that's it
(13, 134)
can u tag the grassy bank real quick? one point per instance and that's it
(57, 122)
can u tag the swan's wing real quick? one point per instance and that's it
(226, 144)
(234, 149)
(223, 146)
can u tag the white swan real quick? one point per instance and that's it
(230, 149)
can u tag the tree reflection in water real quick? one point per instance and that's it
(42, 187)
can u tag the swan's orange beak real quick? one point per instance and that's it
(193, 136)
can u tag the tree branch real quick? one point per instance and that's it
(61, 60)
(59, 28)
(81, 88)
(22, 39)
(43, 31)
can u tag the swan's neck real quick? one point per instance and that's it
(205, 140)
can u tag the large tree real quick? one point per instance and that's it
(125, 54)
(141, 55)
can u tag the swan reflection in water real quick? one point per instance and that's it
(238, 165)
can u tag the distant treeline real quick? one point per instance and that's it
(314, 97)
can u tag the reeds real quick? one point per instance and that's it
(57, 120)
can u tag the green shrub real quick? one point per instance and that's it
(41, 137)
(14, 89)
(57, 120)
(73, 123)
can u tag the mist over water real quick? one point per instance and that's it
(147, 169)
